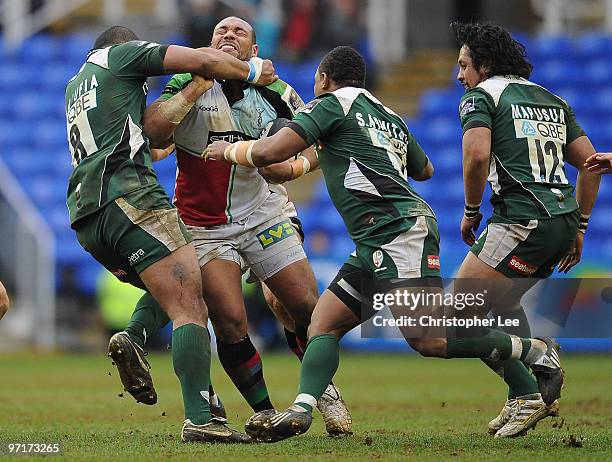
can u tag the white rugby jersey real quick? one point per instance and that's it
(210, 193)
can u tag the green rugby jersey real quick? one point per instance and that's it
(366, 154)
(105, 103)
(530, 131)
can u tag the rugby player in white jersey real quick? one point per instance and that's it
(236, 218)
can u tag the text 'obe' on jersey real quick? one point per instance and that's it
(545, 130)
(80, 137)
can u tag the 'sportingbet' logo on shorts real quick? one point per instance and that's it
(274, 234)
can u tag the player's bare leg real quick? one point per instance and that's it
(292, 293)
(238, 356)
(331, 319)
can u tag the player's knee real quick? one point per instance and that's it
(230, 329)
(302, 309)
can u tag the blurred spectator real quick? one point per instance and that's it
(267, 25)
(201, 17)
(302, 19)
(342, 25)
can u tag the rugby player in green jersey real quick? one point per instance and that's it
(518, 136)
(366, 154)
(123, 217)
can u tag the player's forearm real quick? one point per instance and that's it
(476, 158)
(162, 117)
(206, 62)
(474, 181)
(587, 187)
(263, 153)
(311, 155)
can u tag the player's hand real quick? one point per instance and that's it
(202, 84)
(277, 173)
(214, 151)
(573, 256)
(599, 163)
(266, 71)
(468, 228)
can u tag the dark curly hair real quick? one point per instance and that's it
(491, 46)
(345, 66)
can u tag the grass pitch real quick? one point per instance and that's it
(404, 408)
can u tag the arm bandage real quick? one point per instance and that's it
(255, 68)
(175, 109)
(299, 167)
(584, 223)
(471, 210)
(240, 153)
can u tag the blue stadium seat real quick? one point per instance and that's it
(57, 217)
(592, 45)
(341, 246)
(32, 105)
(46, 191)
(75, 48)
(320, 194)
(24, 161)
(437, 102)
(13, 73)
(443, 130)
(597, 71)
(558, 71)
(68, 250)
(57, 75)
(88, 274)
(15, 133)
(40, 49)
(447, 159)
(50, 134)
(550, 46)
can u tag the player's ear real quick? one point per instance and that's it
(325, 81)
(255, 50)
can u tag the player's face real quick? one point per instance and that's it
(235, 37)
(468, 75)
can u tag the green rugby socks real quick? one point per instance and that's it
(147, 319)
(191, 360)
(512, 369)
(319, 365)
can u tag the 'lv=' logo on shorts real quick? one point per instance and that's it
(275, 233)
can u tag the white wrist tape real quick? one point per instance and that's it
(255, 69)
(175, 109)
(240, 153)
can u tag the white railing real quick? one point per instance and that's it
(19, 23)
(562, 16)
(27, 249)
